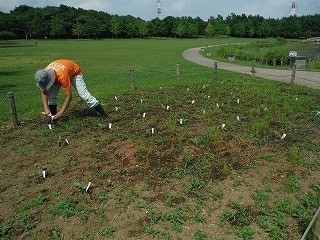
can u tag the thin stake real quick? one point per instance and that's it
(13, 110)
(132, 79)
(177, 73)
(293, 76)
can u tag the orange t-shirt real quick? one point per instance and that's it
(65, 70)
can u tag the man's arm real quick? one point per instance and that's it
(44, 97)
(65, 105)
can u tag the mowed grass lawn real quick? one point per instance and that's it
(105, 63)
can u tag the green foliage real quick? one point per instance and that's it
(199, 235)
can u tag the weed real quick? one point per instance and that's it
(199, 235)
(4, 230)
(294, 155)
(246, 233)
(216, 194)
(109, 232)
(64, 208)
(80, 186)
(239, 216)
(292, 184)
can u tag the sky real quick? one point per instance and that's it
(147, 9)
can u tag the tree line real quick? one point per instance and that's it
(69, 22)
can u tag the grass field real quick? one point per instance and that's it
(106, 65)
(235, 157)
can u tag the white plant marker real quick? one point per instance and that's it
(43, 174)
(117, 109)
(116, 98)
(67, 141)
(144, 115)
(318, 113)
(141, 100)
(181, 121)
(50, 126)
(87, 189)
(218, 105)
(283, 136)
(204, 111)
(152, 130)
(238, 118)
(223, 126)
(192, 101)
(168, 108)
(208, 96)
(238, 100)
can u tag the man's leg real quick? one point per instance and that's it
(79, 84)
(52, 98)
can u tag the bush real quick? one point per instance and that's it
(6, 35)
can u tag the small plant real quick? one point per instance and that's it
(109, 232)
(80, 186)
(3, 230)
(199, 235)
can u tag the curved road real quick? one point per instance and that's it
(310, 79)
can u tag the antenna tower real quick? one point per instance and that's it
(293, 8)
(159, 9)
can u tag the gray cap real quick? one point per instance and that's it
(45, 78)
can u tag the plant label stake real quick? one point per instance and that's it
(87, 189)
(181, 121)
(238, 118)
(168, 108)
(208, 97)
(110, 125)
(66, 141)
(116, 98)
(238, 100)
(223, 126)
(192, 102)
(152, 131)
(204, 111)
(144, 115)
(50, 126)
(218, 105)
(43, 174)
(141, 100)
(318, 114)
(283, 136)
(117, 109)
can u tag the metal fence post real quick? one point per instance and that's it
(132, 79)
(13, 110)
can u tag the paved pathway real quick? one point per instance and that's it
(305, 78)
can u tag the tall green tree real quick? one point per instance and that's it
(142, 28)
(209, 30)
(180, 30)
(115, 27)
(57, 27)
(77, 29)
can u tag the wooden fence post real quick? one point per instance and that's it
(177, 73)
(215, 73)
(293, 76)
(253, 70)
(132, 79)
(13, 110)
